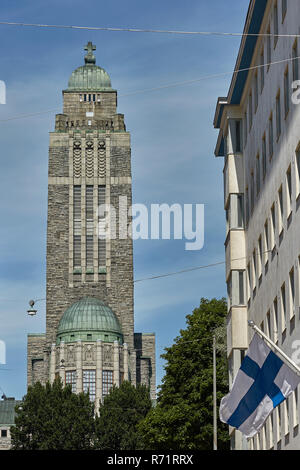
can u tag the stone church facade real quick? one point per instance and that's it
(90, 340)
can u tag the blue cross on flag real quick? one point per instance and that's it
(262, 383)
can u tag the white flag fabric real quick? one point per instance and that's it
(262, 383)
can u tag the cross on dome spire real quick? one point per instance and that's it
(89, 58)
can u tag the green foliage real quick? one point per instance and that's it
(51, 417)
(183, 418)
(123, 408)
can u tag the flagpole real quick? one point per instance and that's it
(215, 395)
(261, 333)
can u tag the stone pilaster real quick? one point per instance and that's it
(52, 363)
(116, 364)
(79, 366)
(99, 368)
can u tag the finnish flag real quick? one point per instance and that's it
(262, 383)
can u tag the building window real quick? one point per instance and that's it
(271, 137)
(289, 190)
(237, 288)
(278, 116)
(284, 9)
(283, 308)
(102, 227)
(264, 156)
(266, 241)
(286, 92)
(275, 320)
(238, 147)
(292, 292)
(260, 257)
(245, 129)
(247, 206)
(295, 61)
(236, 211)
(268, 324)
(89, 383)
(250, 111)
(262, 70)
(257, 175)
(107, 382)
(273, 221)
(77, 226)
(255, 92)
(249, 280)
(254, 269)
(71, 379)
(295, 408)
(3, 432)
(269, 47)
(280, 210)
(275, 24)
(89, 207)
(252, 191)
(298, 171)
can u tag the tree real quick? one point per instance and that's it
(122, 409)
(51, 417)
(183, 417)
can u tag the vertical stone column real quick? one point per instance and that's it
(62, 361)
(79, 366)
(52, 363)
(99, 355)
(107, 201)
(116, 364)
(125, 360)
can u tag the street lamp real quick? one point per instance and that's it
(31, 311)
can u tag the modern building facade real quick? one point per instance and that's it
(90, 340)
(259, 138)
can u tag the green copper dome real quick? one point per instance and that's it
(89, 77)
(89, 319)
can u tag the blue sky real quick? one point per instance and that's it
(173, 144)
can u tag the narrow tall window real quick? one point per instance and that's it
(269, 47)
(286, 92)
(238, 146)
(77, 227)
(275, 320)
(250, 111)
(257, 175)
(101, 222)
(107, 382)
(266, 241)
(247, 206)
(245, 133)
(264, 156)
(271, 137)
(295, 61)
(289, 190)
(260, 249)
(284, 9)
(298, 171)
(295, 408)
(255, 92)
(71, 379)
(278, 116)
(89, 226)
(273, 220)
(252, 191)
(89, 383)
(283, 308)
(292, 293)
(254, 269)
(280, 210)
(262, 70)
(275, 24)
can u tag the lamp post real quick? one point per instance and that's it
(215, 439)
(32, 311)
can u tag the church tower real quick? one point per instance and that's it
(90, 340)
